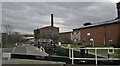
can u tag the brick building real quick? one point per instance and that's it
(101, 34)
(104, 34)
(66, 37)
(45, 34)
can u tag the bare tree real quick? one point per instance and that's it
(8, 29)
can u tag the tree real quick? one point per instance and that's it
(65, 40)
(9, 37)
(17, 37)
(8, 29)
(13, 38)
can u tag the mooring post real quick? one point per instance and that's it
(72, 57)
(69, 53)
(96, 55)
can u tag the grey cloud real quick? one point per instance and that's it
(27, 16)
(58, 1)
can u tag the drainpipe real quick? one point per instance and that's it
(105, 35)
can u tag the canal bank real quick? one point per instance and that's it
(62, 55)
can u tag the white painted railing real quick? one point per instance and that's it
(71, 54)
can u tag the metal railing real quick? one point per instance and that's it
(71, 54)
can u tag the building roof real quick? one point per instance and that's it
(65, 32)
(100, 24)
(47, 27)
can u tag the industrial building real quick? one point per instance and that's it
(104, 34)
(66, 37)
(100, 34)
(46, 34)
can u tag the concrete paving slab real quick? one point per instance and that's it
(31, 50)
(20, 50)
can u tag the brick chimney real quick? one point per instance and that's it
(118, 10)
(52, 23)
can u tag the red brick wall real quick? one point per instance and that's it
(98, 34)
(46, 30)
(67, 36)
(111, 33)
(119, 28)
(50, 29)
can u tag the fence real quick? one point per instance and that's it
(109, 51)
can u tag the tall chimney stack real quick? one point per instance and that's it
(52, 20)
(118, 9)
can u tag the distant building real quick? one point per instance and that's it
(46, 33)
(28, 38)
(66, 37)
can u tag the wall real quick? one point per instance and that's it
(105, 34)
(46, 33)
(111, 33)
(66, 37)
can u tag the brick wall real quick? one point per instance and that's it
(105, 34)
(66, 37)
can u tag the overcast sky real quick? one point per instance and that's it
(27, 16)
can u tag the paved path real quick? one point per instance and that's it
(30, 50)
(35, 51)
(20, 49)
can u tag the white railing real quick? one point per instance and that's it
(71, 54)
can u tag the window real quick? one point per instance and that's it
(88, 34)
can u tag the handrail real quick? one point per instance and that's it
(71, 54)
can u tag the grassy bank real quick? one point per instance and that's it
(72, 45)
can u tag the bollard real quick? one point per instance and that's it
(82, 52)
